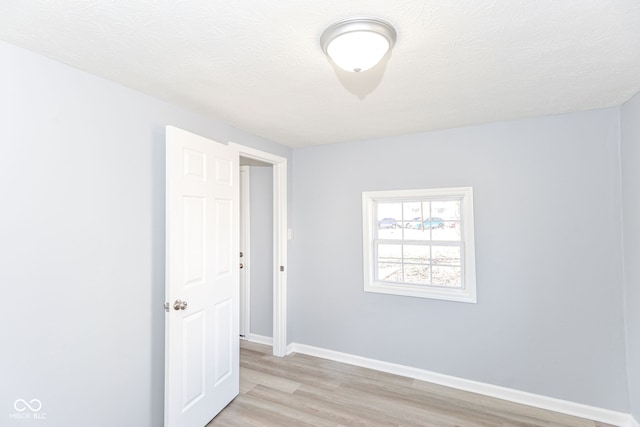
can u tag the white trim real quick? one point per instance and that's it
(280, 238)
(260, 339)
(291, 349)
(245, 244)
(543, 402)
(279, 242)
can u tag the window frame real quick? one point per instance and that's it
(466, 293)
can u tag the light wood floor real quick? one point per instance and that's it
(300, 390)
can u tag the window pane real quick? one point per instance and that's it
(389, 253)
(389, 220)
(446, 220)
(415, 232)
(447, 210)
(412, 214)
(390, 272)
(446, 255)
(390, 233)
(416, 254)
(418, 274)
(449, 231)
(447, 276)
(389, 215)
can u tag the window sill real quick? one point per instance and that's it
(419, 291)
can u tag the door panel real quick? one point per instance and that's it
(194, 215)
(193, 361)
(224, 215)
(224, 357)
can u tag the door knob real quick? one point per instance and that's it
(180, 305)
(241, 265)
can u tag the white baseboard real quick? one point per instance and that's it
(260, 339)
(549, 403)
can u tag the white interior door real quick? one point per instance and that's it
(201, 335)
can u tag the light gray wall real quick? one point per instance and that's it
(82, 242)
(549, 317)
(261, 261)
(82, 249)
(630, 156)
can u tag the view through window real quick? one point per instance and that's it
(419, 242)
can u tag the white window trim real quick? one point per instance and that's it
(465, 294)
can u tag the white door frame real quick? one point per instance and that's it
(245, 232)
(280, 234)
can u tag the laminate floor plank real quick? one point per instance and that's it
(379, 411)
(270, 381)
(301, 390)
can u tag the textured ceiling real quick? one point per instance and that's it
(258, 65)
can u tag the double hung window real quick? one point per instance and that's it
(420, 243)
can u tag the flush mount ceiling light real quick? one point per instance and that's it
(358, 44)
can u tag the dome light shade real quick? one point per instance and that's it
(358, 44)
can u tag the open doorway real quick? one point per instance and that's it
(278, 166)
(256, 251)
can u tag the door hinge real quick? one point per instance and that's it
(282, 268)
(166, 306)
